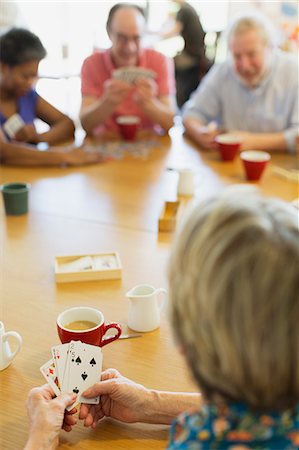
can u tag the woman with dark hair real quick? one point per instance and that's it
(20, 54)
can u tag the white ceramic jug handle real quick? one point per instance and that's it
(17, 337)
(161, 291)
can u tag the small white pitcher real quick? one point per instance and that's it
(144, 309)
(6, 355)
(186, 183)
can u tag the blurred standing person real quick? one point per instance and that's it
(191, 62)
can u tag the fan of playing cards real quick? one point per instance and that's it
(74, 368)
(132, 73)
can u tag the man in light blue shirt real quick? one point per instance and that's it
(254, 94)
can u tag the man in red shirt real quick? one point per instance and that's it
(105, 98)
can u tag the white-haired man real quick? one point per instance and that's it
(254, 93)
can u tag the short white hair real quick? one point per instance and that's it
(253, 21)
(234, 306)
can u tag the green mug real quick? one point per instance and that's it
(15, 196)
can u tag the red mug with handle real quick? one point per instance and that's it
(85, 324)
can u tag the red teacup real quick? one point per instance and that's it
(228, 146)
(128, 126)
(254, 163)
(83, 315)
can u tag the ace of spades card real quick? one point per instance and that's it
(84, 366)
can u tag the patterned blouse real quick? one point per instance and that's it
(235, 427)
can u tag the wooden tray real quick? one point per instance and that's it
(97, 266)
(169, 216)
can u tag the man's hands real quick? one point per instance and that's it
(203, 135)
(120, 398)
(115, 91)
(145, 91)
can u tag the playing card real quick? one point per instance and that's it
(84, 369)
(13, 125)
(131, 74)
(59, 353)
(49, 372)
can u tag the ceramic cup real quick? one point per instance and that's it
(254, 163)
(128, 126)
(92, 336)
(144, 309)
(6, 355)
(228, 146)
(15, 197)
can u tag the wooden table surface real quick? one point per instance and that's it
(113, 206)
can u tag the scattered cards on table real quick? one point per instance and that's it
(131, 74)
(118, 149)
(74, 367)
(13, 125)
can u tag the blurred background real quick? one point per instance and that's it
(72, 30)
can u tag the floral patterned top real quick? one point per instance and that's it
(235, 427)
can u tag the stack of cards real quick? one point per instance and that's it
(74, 368)
(132, 73)
(13, 125)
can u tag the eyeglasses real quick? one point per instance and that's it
(124, 40)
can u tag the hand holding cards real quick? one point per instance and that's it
(13, 125)
(74, 368)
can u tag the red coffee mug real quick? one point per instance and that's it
(254, 163)
(228, 146)
(92, 336)
(128, 126)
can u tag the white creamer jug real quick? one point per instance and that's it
(6, 355)
(144, 308)
(186, 183)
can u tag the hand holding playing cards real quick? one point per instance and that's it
(146, 90)
(120, 398)
(47, 416)
(27, 133)
(115, 91)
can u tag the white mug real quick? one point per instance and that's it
(186, 185)
(144, 309)
(6, 355)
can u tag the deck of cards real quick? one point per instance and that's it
(13, 125)
(132, 73)
(74, 367)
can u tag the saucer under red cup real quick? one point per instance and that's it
(128, 126)
(254, 163)
(228, 146)
(92, 336)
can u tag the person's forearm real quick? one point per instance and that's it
(95, 114)
(265, 142)
(59, 132)
(26, 155)
(162, 407)
(159, 113)
(40, 440)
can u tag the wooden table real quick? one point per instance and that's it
(114, 206)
